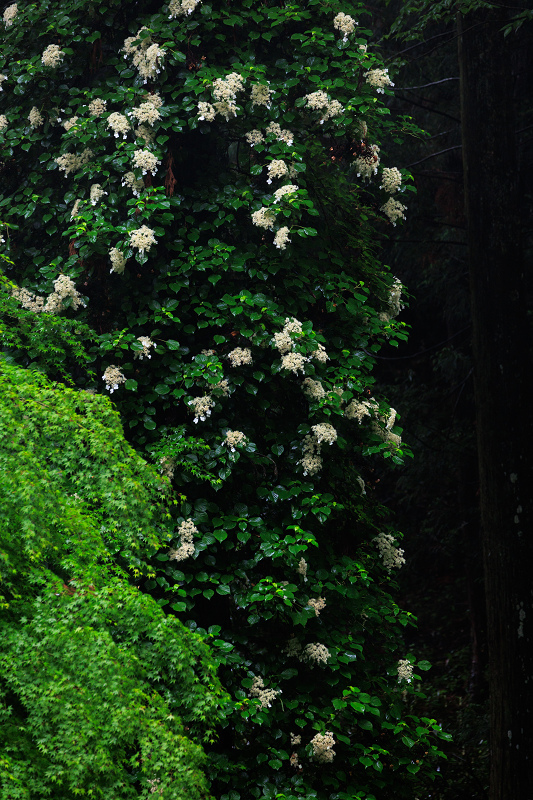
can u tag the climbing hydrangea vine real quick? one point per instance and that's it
(215, 202)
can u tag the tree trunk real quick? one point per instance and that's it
(504, 396)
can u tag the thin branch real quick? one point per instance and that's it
(430, 110)
(431, 241)
(424, 41)
(432, 155)
(420, 352)
(443, 133)
(423, 86)
(441, 176)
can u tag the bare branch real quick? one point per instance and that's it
(424, 85)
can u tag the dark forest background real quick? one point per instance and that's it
(431, 380)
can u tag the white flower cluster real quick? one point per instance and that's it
(283, 340)
(146, 112)
(265, 696)
(144, 132)
(367, 164)
(378, 79)
(28, 299)
(391, 179)
(345, 24)
(147, 56)
(324, 433)
(394, 210)
(264, 218)
(260, 95)
(240, 356)
(311, 461)
(394, 439)
(206, 112)
(222, 386)
(3, 122)
(316, 100)
(392, 556)
(323, 744)
(289, 188)
(112, 378)
(135, 184)
(254, 137)
(202, 407)
(315, 653)
(145, 160)
(320, 354)
(296, 739)
(2, 79)
(234, 439)
(313, 389)
(9, 15)
(35, 117)
(118, 262)
(97, 107)
(153, 98)
(70, 162)
(118, 124)
(142, 238)
(319, 101)
(146, 345)
(52, 56)
(395, 302)
(294, 362)
(357, 409)
(395, 297)
(181, 8)
(186, 530)
(224, 93)
(276, 169)
(96, 193)
(281, 239)
(274, 129)
(405, 670)
(312, 445)
(70, 123)
(167, 466)
(318, 603)
(64, 287)
(302, 568)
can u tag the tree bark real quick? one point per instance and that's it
(503, 387)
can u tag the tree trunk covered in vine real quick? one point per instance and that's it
(501, 346)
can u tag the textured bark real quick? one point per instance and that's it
(503, 388)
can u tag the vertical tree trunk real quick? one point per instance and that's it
(503, 386)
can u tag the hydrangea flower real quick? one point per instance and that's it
(9, 15)
(52, 56)
(281, 239)
(391, 179)
(113, 377)
(378, 79)
(394, 210)
(142, 238)
(118, 262)
(345, 24)
(97, 107)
